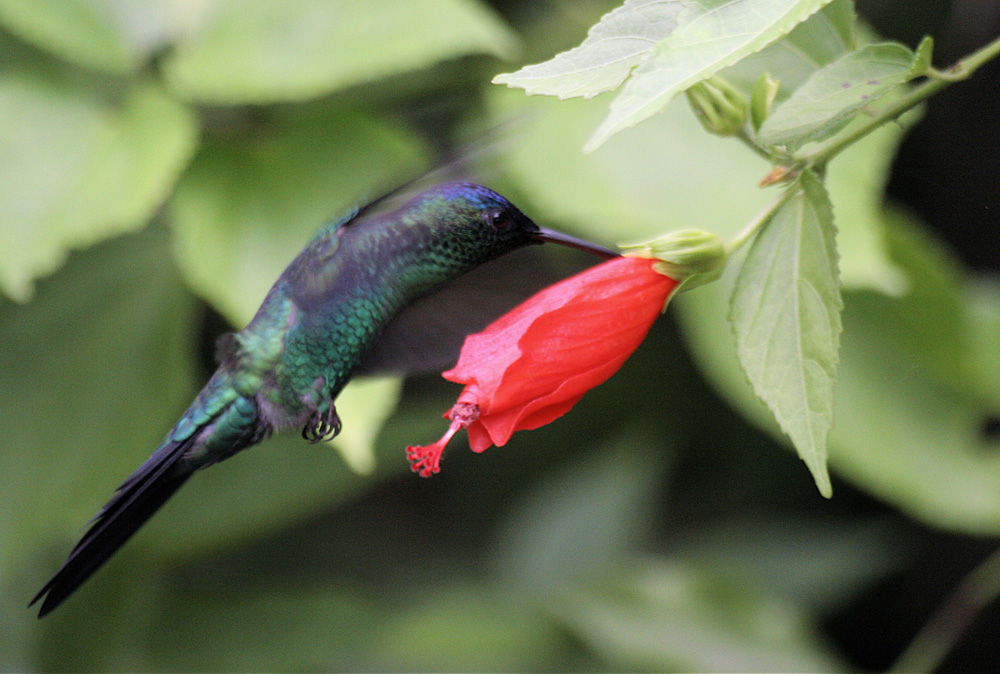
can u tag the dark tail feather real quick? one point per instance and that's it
(136, 501)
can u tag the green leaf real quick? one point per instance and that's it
(856, 183)
(259, 51)
(644, 181)
(249, 203)
(710, 35)
(817, 41)
(982, 323)
(761, 99)
(906, 432)
(702, 315)
(928, 322)
(922, 60)
(617, 43)
(80, 166)
(911, 400)
(904, 435)
(95, 370)
(669, 616)
(845, 556)
(367, 403)
(785, 311)
(108, 35)
(466, 627)
(579, 523)
(832, 95)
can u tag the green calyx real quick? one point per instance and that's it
(691, 256)
(719, 107)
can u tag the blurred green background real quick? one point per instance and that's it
(160, 163)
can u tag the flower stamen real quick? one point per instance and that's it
(426, 460)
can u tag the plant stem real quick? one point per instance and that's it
(760, 219)
(936, 81)
(946, 626)
(745, 137)
(964, 68)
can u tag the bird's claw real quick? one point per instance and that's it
(323, 425)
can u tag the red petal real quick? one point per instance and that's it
(479, 438)
(534, 363)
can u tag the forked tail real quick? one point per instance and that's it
(135, 502)
(217, 425)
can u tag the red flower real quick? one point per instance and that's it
(534, 363)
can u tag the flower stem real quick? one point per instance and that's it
(748, 140)
(946, 626)
(964, 68)
(760, 219)
(936, 81)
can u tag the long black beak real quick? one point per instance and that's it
(549, 235)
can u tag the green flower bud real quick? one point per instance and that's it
(691, 256)
(719, 107)
(761, 99)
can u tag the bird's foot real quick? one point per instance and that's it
(322, 425)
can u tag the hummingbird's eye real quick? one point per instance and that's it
(498, 219)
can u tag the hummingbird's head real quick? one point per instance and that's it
(487, 221)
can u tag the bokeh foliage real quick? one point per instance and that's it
(162, 161)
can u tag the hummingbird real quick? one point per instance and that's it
(338, 310)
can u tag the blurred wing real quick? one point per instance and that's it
(459, 166)
(428, 335)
